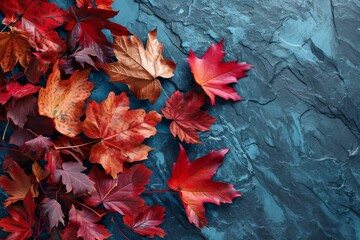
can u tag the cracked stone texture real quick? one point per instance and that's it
(294, 139)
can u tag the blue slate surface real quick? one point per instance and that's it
(294, 139)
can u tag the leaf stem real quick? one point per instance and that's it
(4, 133)
(39, 232)
(84, 205)
(105, 196)
(42, 189)
(121, 232)
(167, 96)
(17, 76)
(4, 28)
(32, 132)
(75, 146)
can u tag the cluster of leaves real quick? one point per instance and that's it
(54, 136)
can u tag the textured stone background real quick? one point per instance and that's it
(294, 140)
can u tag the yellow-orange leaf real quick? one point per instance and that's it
(64, 100)
(140, 68)
(14, 48)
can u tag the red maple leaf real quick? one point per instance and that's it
(52, 209)
(86, 27)
(73, 178)
(17, 91)
(21, 220)
(192, 180)
(187, 117)
(38, 18)
(145, 221)
(120, 130)
(17, 186)
(83, 223)
(214, 76)
(120, 194)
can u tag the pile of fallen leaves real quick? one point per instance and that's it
(70, 161)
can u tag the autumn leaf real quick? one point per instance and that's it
(39, 145)
(84, 223)
(54, 162)
(20, 136)
(39, 65)
(40, 125)
(121, 194)
(146, 221)
(52, 209)
(17, 91)
(86, 27)
(120, 132)
(213, 75)
(18, 110)
(73, 178)
(84, 56)
(14, 48)
(192, 180)
(21, 220)
(80, 59)
(139, 68)
(73, 153)
(64, 100)
(187, 117)
(39, 173)
(102, 4)
(17, 186)
(38, 18)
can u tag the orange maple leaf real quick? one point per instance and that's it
(140, 68)
(14, 48)
(64, 100)
(17, 186)
(120, 132)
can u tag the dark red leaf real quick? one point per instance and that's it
(187, 117)
(39, 65)
(38, 18)
(52, 209)
(39, 145)
(73, 178)
(19, 110)
(85, 223)
(146, 221)
(121, 194)
(20, 136)
(21, 220)
(86, 25)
